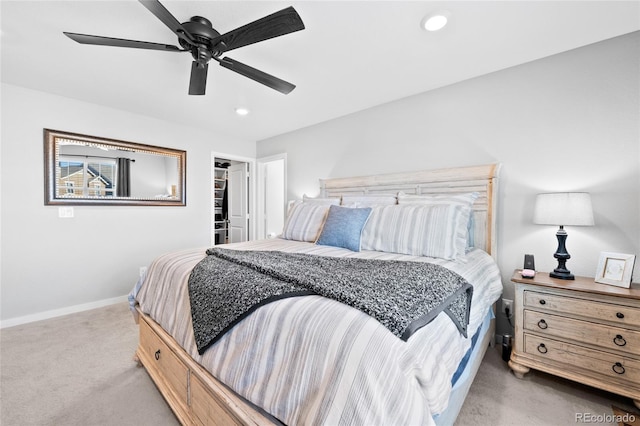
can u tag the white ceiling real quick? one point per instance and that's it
(352, 55)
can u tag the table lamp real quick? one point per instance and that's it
(563, 208)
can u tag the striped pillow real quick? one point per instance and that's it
(305, 222)
(466, 199)
(438, 230)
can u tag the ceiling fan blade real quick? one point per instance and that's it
(119, 42)
(277, 24)
(257, 75)
(198, 82)
(168, 19)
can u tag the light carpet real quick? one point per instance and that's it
(79, 370)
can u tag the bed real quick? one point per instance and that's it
(310, 359)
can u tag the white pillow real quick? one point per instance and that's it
(438, 230)
(305, 221)
(318, 200)
(465, 198)
(368, 200)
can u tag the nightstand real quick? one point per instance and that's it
(580, 330)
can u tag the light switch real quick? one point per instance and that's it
(65, 212)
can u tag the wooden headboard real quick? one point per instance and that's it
(482, 179)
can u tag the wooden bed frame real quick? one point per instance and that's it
(196, 397)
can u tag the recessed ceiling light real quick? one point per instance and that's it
(435, 21)
(242, 111)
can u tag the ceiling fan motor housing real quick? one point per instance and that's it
(203, 33)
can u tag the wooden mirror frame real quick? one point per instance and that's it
(51, 155)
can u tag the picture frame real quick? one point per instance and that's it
(615, 269)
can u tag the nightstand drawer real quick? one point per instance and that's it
(608, 337)
(578, 359)
(623, 315)
(578, 329)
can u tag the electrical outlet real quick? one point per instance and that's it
(143, 270)
(506, 303)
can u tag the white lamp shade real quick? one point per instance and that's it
(563, 208)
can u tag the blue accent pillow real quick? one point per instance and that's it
(343, 227)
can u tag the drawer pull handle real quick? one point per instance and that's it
(618, 368)
(157, 354)
(619, 340)
(542, 348)
(542, 324)
(543, 302)
(620, 315)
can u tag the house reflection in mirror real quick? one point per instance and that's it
(81, 169)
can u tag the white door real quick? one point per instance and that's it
(271, 196)
(237, 192)
(274, 194)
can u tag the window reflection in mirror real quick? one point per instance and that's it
(81, 169)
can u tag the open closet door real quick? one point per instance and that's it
(237, 192)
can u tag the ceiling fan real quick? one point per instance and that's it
(205, 43)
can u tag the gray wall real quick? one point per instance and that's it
(50, 264)
(569, 122)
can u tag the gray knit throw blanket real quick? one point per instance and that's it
(228, 285)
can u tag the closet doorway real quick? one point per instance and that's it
(232, 189)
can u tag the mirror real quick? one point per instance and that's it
(88, 170)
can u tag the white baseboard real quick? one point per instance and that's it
(11, 322)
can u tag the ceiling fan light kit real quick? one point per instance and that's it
(198, 37)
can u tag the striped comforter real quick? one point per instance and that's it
(322, 362)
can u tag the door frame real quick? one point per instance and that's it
(260, 193)
(251, 232)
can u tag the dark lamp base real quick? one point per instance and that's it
(562, 275)
(561, 272)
